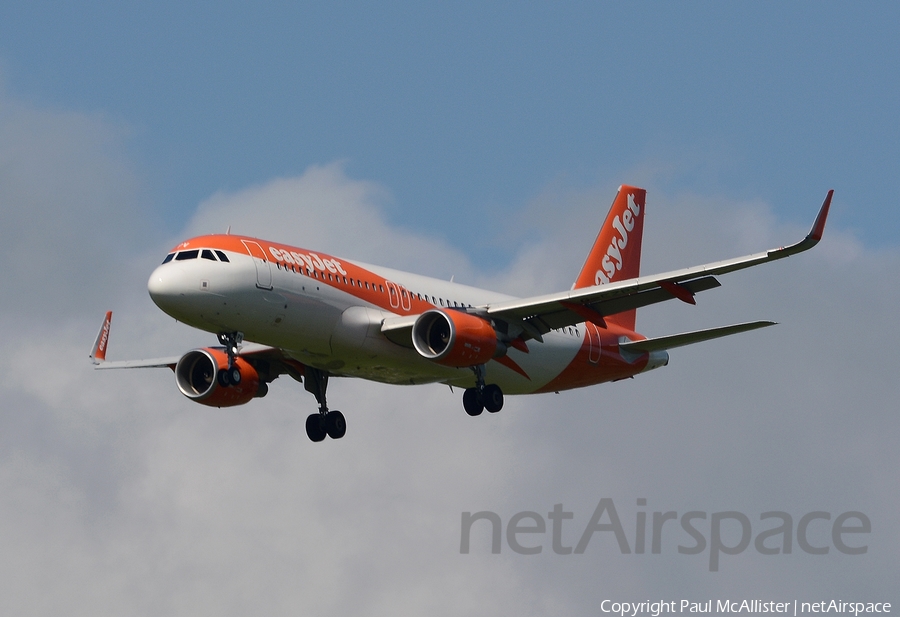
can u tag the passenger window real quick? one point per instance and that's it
(207, 254)
(168, 258)
(222, 256)
(185, 255)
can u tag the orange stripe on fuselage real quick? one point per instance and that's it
(324, 269)
(610, 366)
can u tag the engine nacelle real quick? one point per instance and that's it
(453, 338)
(197, 372)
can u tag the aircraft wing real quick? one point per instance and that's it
(250, 351)
(539, 315)
(151, 363)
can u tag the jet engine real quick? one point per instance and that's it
(454, 338)
(197, 376)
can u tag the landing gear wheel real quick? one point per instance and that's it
(231, 376)
(325, 423)
(335, 424)
(315, 427)
(492, 396)
(472, 402)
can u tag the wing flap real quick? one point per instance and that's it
(652, 296)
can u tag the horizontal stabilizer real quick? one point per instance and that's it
(689, 338)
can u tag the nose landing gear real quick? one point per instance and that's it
(231, 376)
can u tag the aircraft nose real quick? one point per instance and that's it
(167, 287)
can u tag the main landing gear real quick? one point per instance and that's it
(330, 423)
(481, 397)
(231, 376)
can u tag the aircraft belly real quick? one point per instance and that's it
(316, 326)
(358, 349)
(296, 317)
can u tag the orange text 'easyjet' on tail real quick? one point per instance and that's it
(616, 254)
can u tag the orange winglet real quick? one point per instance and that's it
(98, 354)
(819, 226)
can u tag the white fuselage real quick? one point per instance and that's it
(324, 322)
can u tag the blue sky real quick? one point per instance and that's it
(466, 111)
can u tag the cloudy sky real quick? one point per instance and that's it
(483, 142)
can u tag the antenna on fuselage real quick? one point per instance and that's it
(228, 231)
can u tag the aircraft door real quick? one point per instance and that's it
(593, 339)
(393, 294)
(263, 271)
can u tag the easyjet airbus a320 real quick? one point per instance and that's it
(313, 316)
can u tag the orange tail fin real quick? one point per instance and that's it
(616, 254)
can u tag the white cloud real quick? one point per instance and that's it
(70, 207)
(325, 209)
(118, 495)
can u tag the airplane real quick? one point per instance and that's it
(313, 316)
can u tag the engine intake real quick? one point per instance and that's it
(196, 375)
(453, 338)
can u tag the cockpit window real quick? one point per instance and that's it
(222, 256)
(168, 258)
(183, 255)
(207, 254)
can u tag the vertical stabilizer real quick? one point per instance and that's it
(616, 254)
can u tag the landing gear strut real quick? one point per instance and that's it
(324, 423)
(231, 376)
(481, 397)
